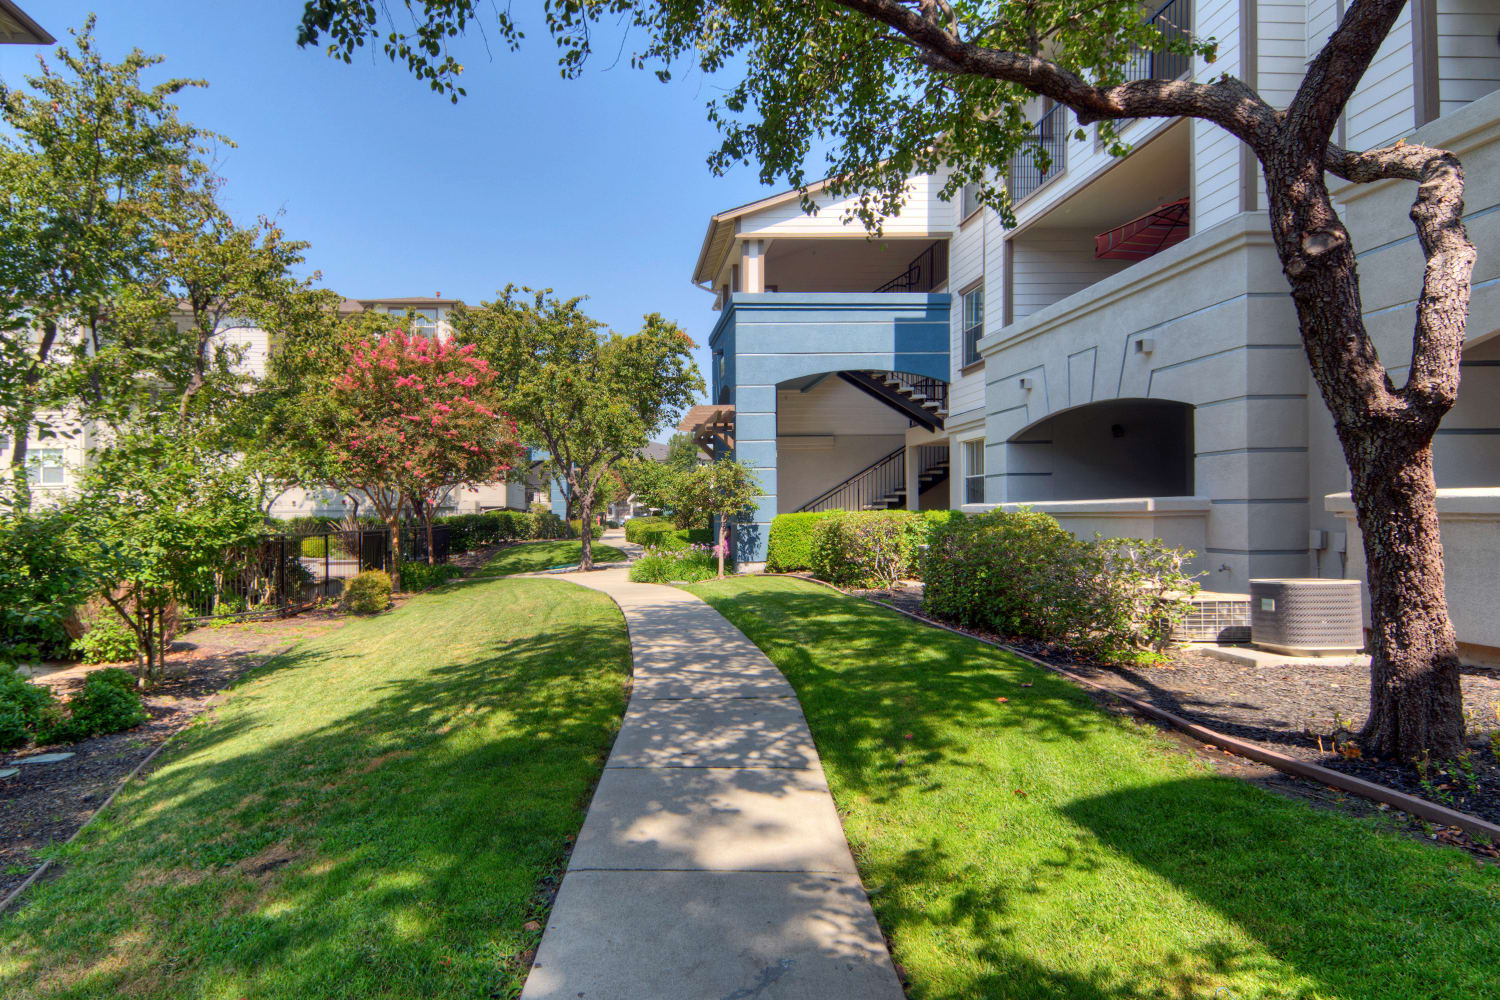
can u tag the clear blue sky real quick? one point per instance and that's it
(594, 187)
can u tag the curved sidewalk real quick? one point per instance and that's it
(711, 864)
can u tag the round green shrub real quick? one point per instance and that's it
(26, 709)
(874, 548)
(108, 640)
(369, 593)
(13, 731)
(108, 703)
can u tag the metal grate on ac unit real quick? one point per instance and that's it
(1219, 618)
(1306, 616)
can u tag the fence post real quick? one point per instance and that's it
(281, 571)
(327, 544)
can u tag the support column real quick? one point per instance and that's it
(913, 485)
(753, 266)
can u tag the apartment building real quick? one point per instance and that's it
(60, 444)
(1126, 357)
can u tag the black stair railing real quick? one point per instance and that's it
(926, 271)
(881, 483)
(866, 488)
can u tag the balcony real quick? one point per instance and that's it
(1043, 157)
(1175, 22)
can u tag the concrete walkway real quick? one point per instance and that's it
(711, 865)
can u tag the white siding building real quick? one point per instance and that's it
(1127, 357)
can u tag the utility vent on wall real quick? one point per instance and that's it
(1306, 617)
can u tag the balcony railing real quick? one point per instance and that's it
(1043, 156)
(1175, 22)
(926, 271)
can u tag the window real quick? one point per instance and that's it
(50, 466)
(974, 471)
(973, 323)
(970, 200)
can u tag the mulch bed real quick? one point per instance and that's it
(45, 804)
(1307, 712)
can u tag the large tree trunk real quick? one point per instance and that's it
(1386, 433)
(586, 529)
(393, 525)
(1416, 705)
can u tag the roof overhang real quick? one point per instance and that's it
(719, 239)
(17, 27)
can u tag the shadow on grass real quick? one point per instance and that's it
(377, 813)
(1037, 846)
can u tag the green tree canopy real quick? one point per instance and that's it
(586, 395)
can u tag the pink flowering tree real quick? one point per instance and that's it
(414, 417)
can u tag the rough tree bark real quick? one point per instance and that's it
(585, 527)
(1386, 432)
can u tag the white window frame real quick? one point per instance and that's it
(971, 331)
(973, 477)
(969, 202)
(50, 462)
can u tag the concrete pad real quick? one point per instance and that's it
(712, 935)
(714, 732)
(712, 819)
(1249, 656)
(43, 758)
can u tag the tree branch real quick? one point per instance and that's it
(1227, 102)
(1338, 68)
(1437, 213)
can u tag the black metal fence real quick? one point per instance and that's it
(279, 574)
(1043, 156)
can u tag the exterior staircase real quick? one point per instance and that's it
(882, 484)
(922, 400)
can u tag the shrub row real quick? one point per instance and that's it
(790, 547)
(417, 576)
(661, 533)
(1021, 575)
(467, 532)
(107, 703)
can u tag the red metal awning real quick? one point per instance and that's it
(1152, 233)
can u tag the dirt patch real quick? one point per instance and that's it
(44, 804)
(1303, 711)
(265, 862)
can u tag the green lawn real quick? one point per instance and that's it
(1018, 841)
(531, 557)
(375, 814)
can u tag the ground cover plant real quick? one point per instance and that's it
(690, 564)
(536, 556)
(370, 815)
(1021, 842)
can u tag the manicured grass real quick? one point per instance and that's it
(376, 814)
(1019, 841)
(531, 557)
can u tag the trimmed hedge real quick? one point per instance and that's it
(789, 549)
(1022, 575)
(467, 532)
(789, 545)
(662, 533)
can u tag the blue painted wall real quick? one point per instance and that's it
(769, 338)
